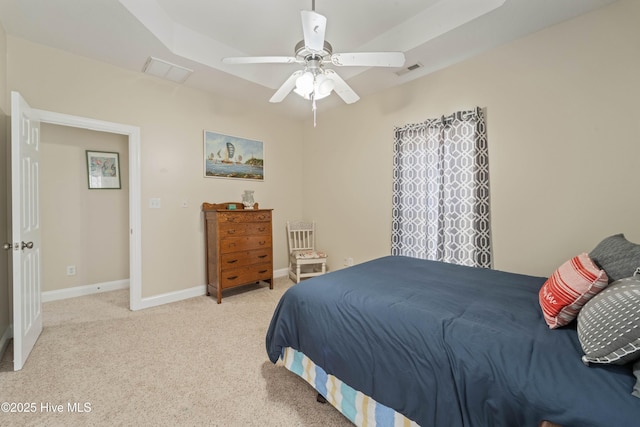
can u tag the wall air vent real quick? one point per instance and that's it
(408, 69)
(166, 70)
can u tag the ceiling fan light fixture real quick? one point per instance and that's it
(305, 95)
(304, 83)
(315, 87)
(323, 86)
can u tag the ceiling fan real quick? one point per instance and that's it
(315, 82)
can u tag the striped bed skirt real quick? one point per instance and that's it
(359, 408)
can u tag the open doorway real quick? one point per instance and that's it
(85, 238)
(132, 135)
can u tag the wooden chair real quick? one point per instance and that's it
(304, 259)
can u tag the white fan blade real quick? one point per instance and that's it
(259, 60)
(343, 90)
(286, 87)
(369, 59)
(313, 28)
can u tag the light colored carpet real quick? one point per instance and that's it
(192, 363)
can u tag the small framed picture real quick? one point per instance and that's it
(103, 170)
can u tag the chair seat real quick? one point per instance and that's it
(308, 254)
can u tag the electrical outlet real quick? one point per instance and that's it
(185, 204)
(348, 262)
(154, 203)
(71, 270)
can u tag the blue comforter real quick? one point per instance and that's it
(447, 345)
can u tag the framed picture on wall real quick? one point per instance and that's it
(228, 156)
(103, 170)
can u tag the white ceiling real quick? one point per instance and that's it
(197, 34)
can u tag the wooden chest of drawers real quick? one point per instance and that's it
(239, 246)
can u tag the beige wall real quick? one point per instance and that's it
(172, 119)
(562, 118)
(88, 229)
(4, 94)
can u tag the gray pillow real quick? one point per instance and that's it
(617, 256)
(609, 324)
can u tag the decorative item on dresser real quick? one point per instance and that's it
(239, 247)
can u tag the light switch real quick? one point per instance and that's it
(154, 203)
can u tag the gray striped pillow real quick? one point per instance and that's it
(609, 324)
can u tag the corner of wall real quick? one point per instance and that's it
(5, 301)
(4, 94)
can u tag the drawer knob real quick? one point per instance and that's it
(232, 278)
(262, 242)
(231, 231)
(231, 261)
(262, 256)
(262, 271)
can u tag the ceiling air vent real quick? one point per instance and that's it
(408, 69)
(166, 70)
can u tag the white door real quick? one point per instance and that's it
(25, 217)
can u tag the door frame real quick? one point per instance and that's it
(135, 214)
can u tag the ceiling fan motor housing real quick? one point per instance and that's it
(306, 54)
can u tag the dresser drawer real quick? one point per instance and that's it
(243, 276)
(230, 229)
(237, 217)
(242, 258)
(235, 244)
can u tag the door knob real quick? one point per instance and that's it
(7, 246)
(27, 245)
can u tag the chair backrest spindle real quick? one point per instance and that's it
(301, 235)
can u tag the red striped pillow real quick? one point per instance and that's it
(573, 284)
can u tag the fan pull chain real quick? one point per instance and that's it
(313, 96)
(313, 107)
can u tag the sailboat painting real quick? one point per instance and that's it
(228, 156)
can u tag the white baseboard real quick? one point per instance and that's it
(196, 291)
(149, 302)
(281, 273)
(79, 291)
(170, 297)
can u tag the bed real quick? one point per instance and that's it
(404, 341)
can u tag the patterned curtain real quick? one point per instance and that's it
(441, 190)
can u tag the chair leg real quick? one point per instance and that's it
(298, 273)
(324, 267)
